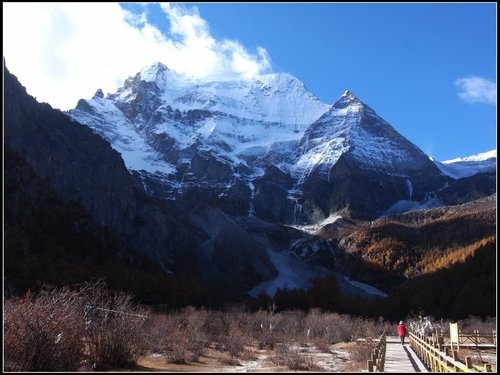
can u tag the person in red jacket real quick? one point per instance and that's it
(402, 332)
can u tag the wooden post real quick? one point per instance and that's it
(454, 335)
(454, 354)
(468, 362)
(369, 364)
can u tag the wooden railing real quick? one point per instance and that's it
(475, 339)
(439, 358)
(377, 360)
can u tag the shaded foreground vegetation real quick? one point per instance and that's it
(91, 328)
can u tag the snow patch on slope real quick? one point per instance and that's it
(292, 274)
(311, 229)
(365, 287)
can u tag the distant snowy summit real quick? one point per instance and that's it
(276, 97)
(470, 165)
(262, 146)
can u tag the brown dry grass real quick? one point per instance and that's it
(342, 357)
(479, 357)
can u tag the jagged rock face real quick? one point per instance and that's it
(469, 188)
(271, 195)
(80, 165)
(364, 166)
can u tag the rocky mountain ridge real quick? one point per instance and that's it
(264, 146)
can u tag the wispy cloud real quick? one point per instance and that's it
(193, 44)
(64, 51)
(477, 90)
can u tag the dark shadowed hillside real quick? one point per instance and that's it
(50, 240)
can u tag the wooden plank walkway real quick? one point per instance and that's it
(399, 358)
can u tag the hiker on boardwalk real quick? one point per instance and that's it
(402, 332)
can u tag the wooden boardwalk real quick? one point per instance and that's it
(399, 358)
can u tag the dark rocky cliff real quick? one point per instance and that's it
(82, 167)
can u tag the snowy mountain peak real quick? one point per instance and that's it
(348, 99)
(157, 72)
(98, 94)
(150, 72)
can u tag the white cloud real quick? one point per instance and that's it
(477, 90)
(63, 52)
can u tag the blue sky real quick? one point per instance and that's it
(428, 69)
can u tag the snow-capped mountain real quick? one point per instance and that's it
(257, 154)
(158, 109)
(175, 133)
(263, 146)
(360, 162)
(468, 166)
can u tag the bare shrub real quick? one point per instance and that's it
(234, 341)
(113, 328)
(185, 340)
(291, 326)
(266, 328)
(177, 348)
(216, 327)
(327, 328)
(361, 352)
(184, 347)
(43, 332)
(154, 331)
(358, 354)
(291, 358)
(476, 323)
